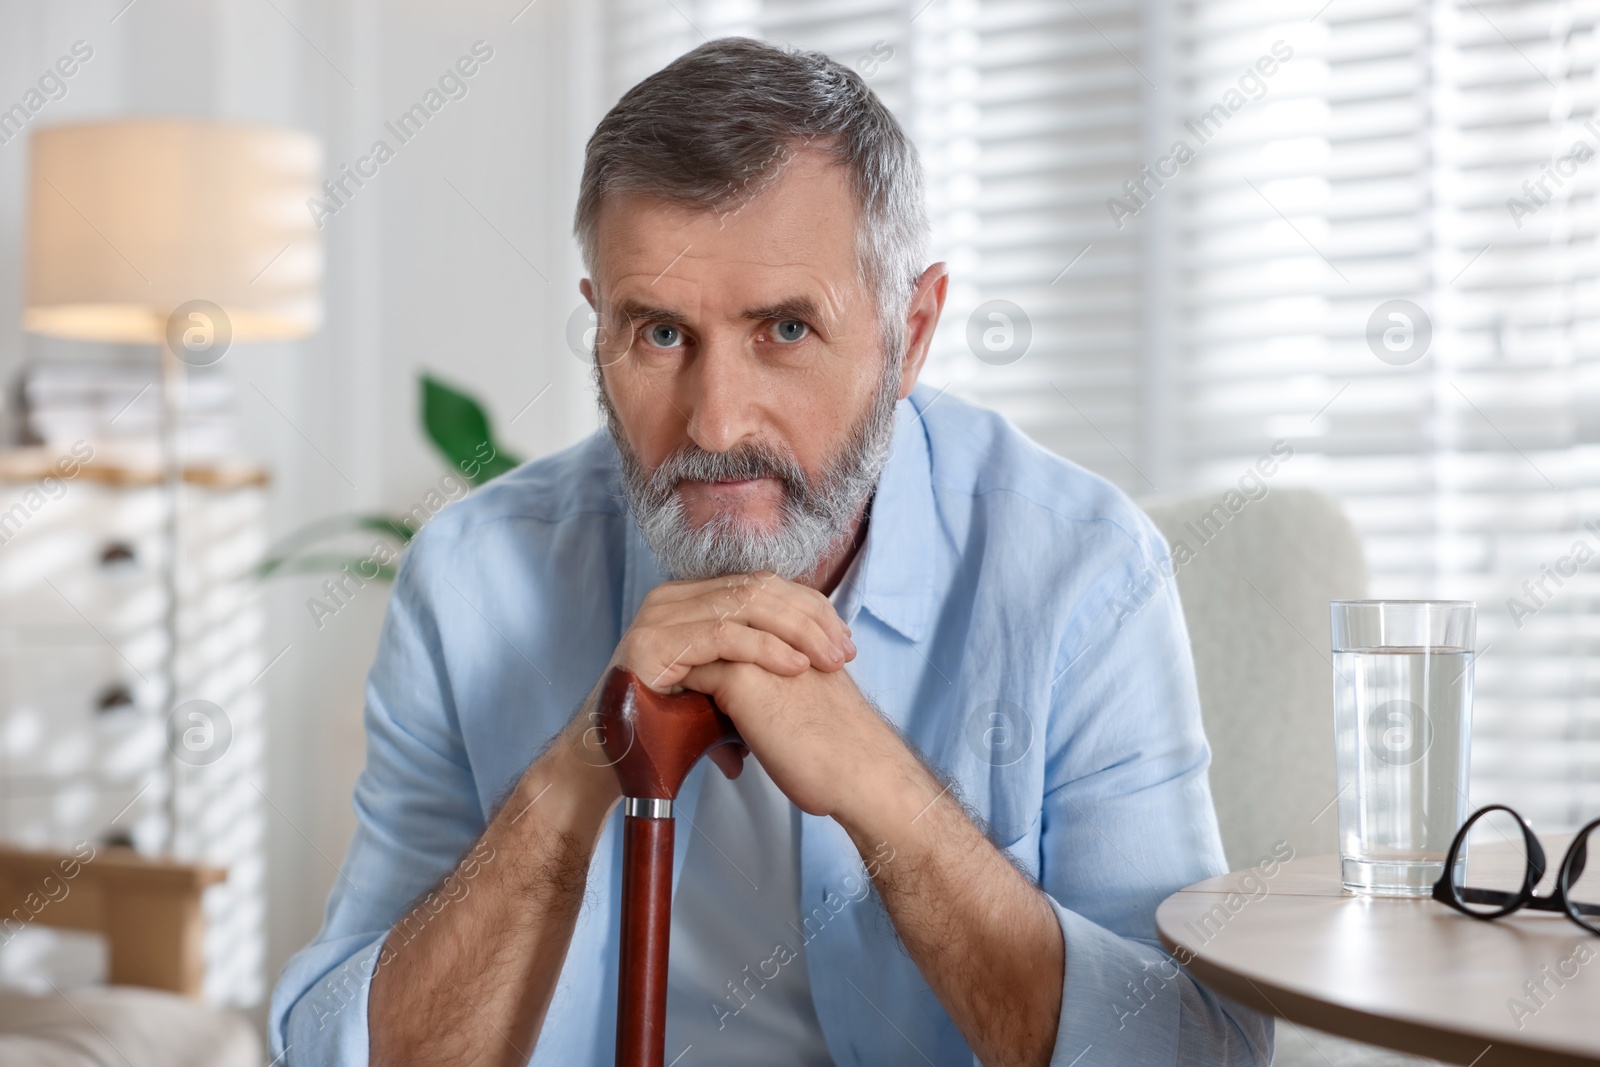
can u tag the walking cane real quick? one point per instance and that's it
(653, 740)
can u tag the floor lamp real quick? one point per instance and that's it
(187, 235)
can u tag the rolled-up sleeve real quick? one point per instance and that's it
(417, 813)
(1128, 820)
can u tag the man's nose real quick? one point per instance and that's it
(722, 401)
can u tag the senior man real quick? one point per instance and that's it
(971, 779)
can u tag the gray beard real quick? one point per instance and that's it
(816, 519)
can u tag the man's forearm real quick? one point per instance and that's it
(985, 939)
(473, 986)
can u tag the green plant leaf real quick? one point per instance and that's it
(459, 427)
(327, 563)
(287, 549)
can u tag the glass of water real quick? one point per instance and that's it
(1402, 719)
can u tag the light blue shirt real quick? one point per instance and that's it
(992, 627)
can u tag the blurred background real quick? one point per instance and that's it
(1359, 236)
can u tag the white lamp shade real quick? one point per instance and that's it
(130, 220)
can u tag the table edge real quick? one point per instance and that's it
(1403, 1035)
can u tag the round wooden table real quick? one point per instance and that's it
(1407, 973)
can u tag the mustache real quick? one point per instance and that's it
(748, 459)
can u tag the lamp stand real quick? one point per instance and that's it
(172, 484)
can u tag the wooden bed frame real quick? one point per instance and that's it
(147, 908)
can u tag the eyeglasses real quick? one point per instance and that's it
(1482, 902)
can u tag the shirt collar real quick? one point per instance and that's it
(895, 577)
(846, 596)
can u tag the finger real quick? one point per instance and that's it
(667, 654)
(736, 593)
(712, 678)
(799, 615)
(793, 629)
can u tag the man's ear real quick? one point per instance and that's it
(922, 315)
(588, 292)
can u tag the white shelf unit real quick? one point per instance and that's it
(84, 734)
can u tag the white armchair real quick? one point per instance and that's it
(1255, 597)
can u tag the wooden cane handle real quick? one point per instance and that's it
(653, 740)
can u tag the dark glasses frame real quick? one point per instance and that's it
(1445, 891)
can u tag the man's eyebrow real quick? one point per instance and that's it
(638, 310)
(795, 307)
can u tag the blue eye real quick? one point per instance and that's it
(788, 331)
(662, 335)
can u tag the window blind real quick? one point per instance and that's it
(1025, 112)
(1388, 161)
(1184, 310)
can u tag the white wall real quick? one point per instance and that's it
(474, 283)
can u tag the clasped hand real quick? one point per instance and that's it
(771, 653)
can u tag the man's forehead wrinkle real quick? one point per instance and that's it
(702, 239)
(651, 287)
(717, 262)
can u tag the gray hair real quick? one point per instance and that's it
(716, 126)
